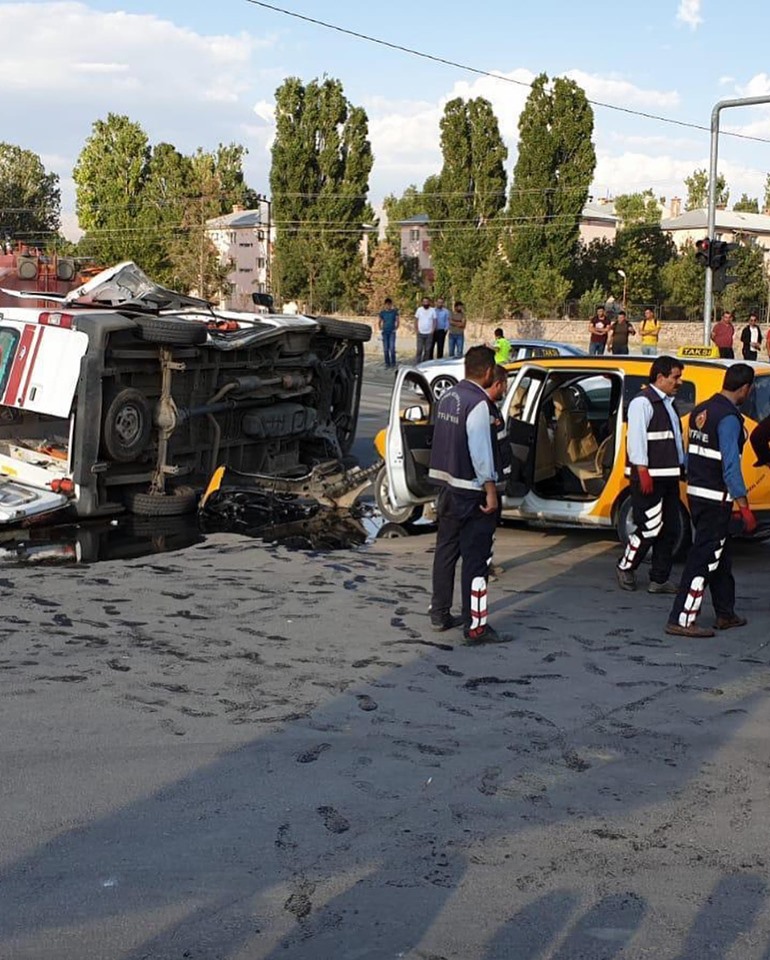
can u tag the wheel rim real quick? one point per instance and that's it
(441, 385)
(128, 424)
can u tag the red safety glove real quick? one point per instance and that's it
(645, 480)
(749, 520)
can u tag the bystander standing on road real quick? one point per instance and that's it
(650, 332)
(620, 330)
(388, 325)
(751, 338)
(598, 328)
(723, 334)
(424, 329)
(502, 346)
(465, 465)
(715, 485)
(443, 316)
(654, 462)
(457, 324)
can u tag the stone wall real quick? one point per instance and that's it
(575, 332)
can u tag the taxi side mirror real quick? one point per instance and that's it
(413, 414)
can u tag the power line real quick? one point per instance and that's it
(487, 73)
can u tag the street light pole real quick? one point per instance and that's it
(622, 273)
(708, 290)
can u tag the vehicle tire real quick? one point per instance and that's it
(175, 332)
(392, 531)
(173, 504)
(345, 329)
(625, 525)
(126, 424)
(390, 513)
(441, 384)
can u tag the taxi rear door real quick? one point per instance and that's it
(520, 408)
(408, 440)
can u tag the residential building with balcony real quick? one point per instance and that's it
(243, 241)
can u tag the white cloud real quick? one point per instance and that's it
(689, 13)
(615, 90)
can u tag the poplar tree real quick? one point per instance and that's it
(551, 180)
(30, 200)
(465, 199)
(319, 180)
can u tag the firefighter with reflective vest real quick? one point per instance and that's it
(715, 488)
(654, 463)
(465, 464)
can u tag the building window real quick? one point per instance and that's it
(260, 235)
(244, 270)
(260, 263)
(414, 235)
(245, 244)
(426, 246)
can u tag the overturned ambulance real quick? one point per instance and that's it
(123, 395)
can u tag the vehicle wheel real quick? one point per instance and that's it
(441, 384)
(178, 501)
(683, 542)
(392, 514)
(345, 329)
(178, 332)
(392, 531)
(126, 424)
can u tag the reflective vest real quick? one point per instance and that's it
(450, 460)
(662, 453)
(705, 478)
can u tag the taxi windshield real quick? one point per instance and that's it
(758, 404)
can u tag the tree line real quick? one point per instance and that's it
(499, 246)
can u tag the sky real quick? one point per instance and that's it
(196, 74)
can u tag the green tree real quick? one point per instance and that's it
(682, 280)
(766, 203)
(698, 187)
(319, 178)
(634, 208)
(593, 265)
(383, 277)
(30, 200)
(750, 291)
(746, 204)
(465, 199)
(642, 251)
(489, 297)
(110, 175)
(552, 176)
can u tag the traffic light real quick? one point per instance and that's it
(723, 258)
(703, 252)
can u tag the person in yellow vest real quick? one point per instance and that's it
(650, 331)
(502, 347)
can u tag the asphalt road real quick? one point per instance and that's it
(241, 751)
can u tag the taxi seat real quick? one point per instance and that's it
(574, 443)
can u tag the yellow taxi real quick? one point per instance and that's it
(566, 422)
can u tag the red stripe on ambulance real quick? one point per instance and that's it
(20, 359)
(31, 365)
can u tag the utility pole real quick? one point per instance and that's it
(708, 293)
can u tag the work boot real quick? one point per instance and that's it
(444, 621)
(626, 579)
(486, 634)
(726, 623)
(667, 587)
(693, 631)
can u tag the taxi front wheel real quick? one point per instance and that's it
(390, 513)
(683, 541)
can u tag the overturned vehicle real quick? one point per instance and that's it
(124, 395)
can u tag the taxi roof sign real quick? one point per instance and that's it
(698, 351)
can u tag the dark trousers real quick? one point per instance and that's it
(656, 517)
(709, 564)
(727, 353)
(463, 532)
(439, 339)
(424, 347)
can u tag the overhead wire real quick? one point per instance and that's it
(487, 73)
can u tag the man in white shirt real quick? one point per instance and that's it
(424, 330)
(654, 462)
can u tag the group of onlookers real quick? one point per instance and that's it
(611, 334)
(435, 327)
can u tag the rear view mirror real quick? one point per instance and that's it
(414, 414)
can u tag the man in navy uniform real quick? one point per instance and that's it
(465, 463)
(654, 462)
(715, 486)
